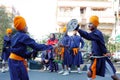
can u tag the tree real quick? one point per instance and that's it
(6, 19)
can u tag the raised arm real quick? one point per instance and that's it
(89, 36)
(39, 47)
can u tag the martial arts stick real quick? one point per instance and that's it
(98, 56)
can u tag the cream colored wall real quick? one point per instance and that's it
(106, 17)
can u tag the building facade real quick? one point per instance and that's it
(115, 36)
(83, 9)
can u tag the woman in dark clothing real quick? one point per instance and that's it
(51, 54)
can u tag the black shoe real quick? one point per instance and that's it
(51, 70)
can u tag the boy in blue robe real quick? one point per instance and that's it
(65, 43)
(76, 43)
(6, 47)
(19, 53)
(101, 64)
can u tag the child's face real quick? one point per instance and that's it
(9, 34)
(51, 36)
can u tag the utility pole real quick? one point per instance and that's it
(117, 15)
(116, 10)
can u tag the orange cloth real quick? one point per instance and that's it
(19, 58)
(94, 20)
(9, 31)
(93, 68)
(16, 57)
(63, 29)
(25, 64)
(19, 23)
(75, 51)
(62, 50)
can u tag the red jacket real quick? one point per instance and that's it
(52, 42)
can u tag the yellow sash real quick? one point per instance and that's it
(16, 57)
(62, 50)
(75, 51)
(19, 58)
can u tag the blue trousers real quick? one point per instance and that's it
(17, 70)
(53, 65)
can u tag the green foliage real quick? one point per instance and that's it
(106, 38)
(111, 47)
(43, 41)
(87, 46)
(6, 19)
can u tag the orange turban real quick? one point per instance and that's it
(9, 31)
(19, 23)
(94, 20)
(63, 29)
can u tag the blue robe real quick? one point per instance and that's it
(98, 49)
(66, 43)
(19, 43)
(75, 43)
(6, 47)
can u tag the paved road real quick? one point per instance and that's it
(40, 75)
